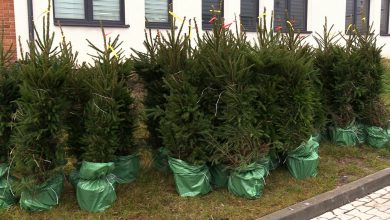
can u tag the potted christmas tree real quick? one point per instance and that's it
(230, 98)
(40, 136)
(370, 108)
(285, 76)
(108, 152)
(185, 132)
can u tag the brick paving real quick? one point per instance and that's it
(375, 206)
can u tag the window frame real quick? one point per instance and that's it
(251, 29)
(160, 25)
(302, 31)
(208, 26)
(88, 21)
(355, 15)
(387, 20)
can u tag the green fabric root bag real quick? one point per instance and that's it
(44, 197)
(303, 167)
(274, 160)
(190, 180)
(126, 168)
(316, 137)
(266, 163)
(305, 149)
(160, 160)
(361, 133)
(347, 136)
(7, 197)
(219, 175)
(377, 137)
(95, 190)
(247, 182)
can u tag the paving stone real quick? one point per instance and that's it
(347, 207)
(381, 191)
(327, 215)
(372, 204)
(344, 217)
(380, 200)
(364, 209)
(376, 212)
(374, 195)
(386, 196)
(365, 199)
(339, 211)
(357, 203)
(359, 214)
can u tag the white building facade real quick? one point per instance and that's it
(80, 19)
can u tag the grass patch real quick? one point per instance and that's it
(153, 194)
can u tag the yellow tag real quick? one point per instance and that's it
(176, 16)
(216, 11)
(289, 23)
(43, 13)
(113, 51)
(349, 27)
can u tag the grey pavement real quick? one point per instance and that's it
(375, 206)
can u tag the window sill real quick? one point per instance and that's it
(158, 25)
(300, 32)
(385, 35)
(89, 24)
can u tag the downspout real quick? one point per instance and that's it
(30, 19)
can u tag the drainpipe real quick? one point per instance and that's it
(30, 19)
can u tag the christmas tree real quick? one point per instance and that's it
(40, 134)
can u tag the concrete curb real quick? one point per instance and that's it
(325, 202)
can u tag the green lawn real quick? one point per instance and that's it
(153, 195)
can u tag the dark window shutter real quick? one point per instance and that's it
(297, 13)
(208, 5)
(280, 11)
(249, 14)
(385, 17)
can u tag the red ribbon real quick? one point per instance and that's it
(213, 19)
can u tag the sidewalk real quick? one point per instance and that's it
(375, 206)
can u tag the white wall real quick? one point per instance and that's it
(133, 36)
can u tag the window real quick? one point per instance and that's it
(89, 12)
(249, 14)
(385, 17)
(207, 12)
(294, 11)
(357, 14)
(156, 13)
